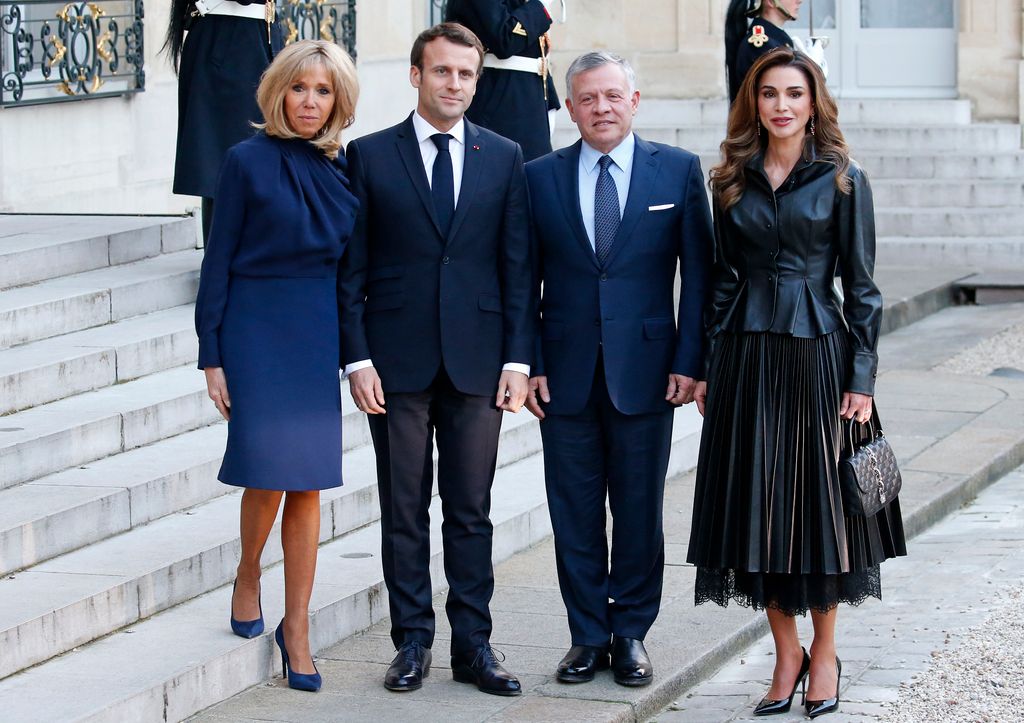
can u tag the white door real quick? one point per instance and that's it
(886, 48)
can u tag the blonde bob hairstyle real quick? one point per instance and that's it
(293, 62)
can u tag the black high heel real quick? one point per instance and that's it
(771, 707)
(829, 705)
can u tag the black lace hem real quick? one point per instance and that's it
(792, 595)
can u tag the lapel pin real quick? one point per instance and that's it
(476, 148)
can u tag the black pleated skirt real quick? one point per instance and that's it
(769, 529)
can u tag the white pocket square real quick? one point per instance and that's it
(662, 207)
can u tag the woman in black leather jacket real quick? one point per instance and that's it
(788, 361)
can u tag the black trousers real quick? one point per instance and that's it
(466, 428)
(597, 455)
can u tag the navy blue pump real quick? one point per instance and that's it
(246, 628)
(298, 681)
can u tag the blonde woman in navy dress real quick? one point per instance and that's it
(267, 319)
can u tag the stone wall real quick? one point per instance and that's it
(989, 68)
(116, 155)
(675, 45)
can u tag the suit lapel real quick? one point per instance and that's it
(409, 150)
(641, 183)
(471, 168)
(567, 181)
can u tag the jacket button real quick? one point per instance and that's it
(771, 278)
(604, 277)
(445, 260)
(768, 225)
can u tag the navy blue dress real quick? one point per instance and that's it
(267, 311)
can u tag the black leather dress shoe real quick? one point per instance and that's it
(481, 668)
(630, 664)
(409, 668)
(581, 663)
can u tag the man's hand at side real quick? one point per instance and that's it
(538, 393)
(680, 389)
(512, 388)
(366, 390)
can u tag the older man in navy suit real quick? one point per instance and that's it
(437, 331)
(614, 218)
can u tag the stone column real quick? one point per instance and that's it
(990, 62)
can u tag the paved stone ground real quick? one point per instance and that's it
(954, 435)
(902, 657)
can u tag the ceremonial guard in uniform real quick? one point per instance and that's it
(515, 92)
(744, 45)
(228, 45)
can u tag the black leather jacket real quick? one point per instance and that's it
(778, 252)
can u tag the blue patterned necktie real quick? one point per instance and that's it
(606, 210)
(442, 183)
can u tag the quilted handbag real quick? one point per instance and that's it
(868, 474)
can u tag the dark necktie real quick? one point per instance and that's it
(442, 183)
(606, 210)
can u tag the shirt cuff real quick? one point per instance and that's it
(356, 366)
(515, 367)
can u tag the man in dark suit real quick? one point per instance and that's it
(614, 217)
(516, 92)
(436, 328)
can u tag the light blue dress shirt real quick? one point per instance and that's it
(621, 170)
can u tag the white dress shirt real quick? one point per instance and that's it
(428, 152)
(621, 170)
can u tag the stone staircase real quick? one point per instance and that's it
(117, 543)
(947, 191)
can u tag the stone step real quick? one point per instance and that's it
(1006, 252)
(93, 298)
(68, 510)
(91, 426)
(34, 248)
(937, 164)
(993, 287)
(977, 137)
(44, 371)
(956, 221)
(87, 427)
(852, 111)
(193, 671)
(913, 167)
(949, 193)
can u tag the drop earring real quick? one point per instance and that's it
(812, 125)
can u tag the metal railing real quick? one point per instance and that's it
(333, 20)
(60, 51)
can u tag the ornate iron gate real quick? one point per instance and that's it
(54, 51)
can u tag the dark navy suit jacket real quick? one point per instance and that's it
(411, 299)
(626, 307)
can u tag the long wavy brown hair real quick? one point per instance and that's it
(744, 139)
